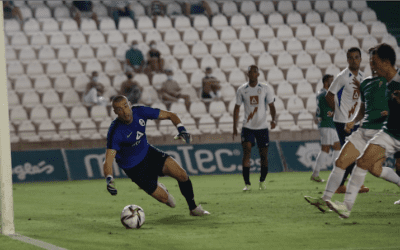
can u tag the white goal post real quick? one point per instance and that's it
(6, 191)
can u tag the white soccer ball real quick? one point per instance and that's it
(132, 216)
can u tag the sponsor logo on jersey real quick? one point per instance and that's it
(142, 122)
(254, 100)
(380, 84)
(129, 135)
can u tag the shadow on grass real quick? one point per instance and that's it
(180, 220)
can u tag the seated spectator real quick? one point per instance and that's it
(154, 60)
(211, 87)
(171, 92)
(10, 11)
(94, 91)
(134, 59)
(81, 9)
(122, 9)
(196, 8)
(157, 8)
(131, 89)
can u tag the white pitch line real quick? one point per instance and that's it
(37, 243)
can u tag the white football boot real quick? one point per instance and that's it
(397, 202)
(199, 211)
(247, 188)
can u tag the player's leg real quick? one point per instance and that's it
(262, 138)
(397, 163)
(347, 156)
(173, 169)
(321, 159)
(248, 141)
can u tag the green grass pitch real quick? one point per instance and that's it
(83, 215)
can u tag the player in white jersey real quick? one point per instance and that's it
(255, 97)
(344, 99)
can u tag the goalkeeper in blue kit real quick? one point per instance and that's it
(127, 144)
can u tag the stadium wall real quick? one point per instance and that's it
(200, 159)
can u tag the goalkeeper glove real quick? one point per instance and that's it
(111, 185)
(183, 134)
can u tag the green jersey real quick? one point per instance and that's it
(373, 91)
(322, 111)
(392, 125)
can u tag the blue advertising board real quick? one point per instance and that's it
(40, 165)
(195, 159)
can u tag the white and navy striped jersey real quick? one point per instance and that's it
(347, 96)
(255, 102)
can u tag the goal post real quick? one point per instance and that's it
(6, 191)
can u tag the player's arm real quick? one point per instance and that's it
(235, 120)
(107, 168)
(183, 134)
(359, 117)
(336, 85)
(273, 114)
(330, 99)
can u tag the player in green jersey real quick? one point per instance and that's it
(329, 137)
(373, 112)
(386, 141)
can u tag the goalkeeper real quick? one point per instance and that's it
(143, 163)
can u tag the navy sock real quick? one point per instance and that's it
(348, 171)
(246, 175)
(187, 192)
(264, 172)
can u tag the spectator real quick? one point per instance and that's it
(196, 8)
(171, 92)
(131, 89)
(83, 9)
(94, 91)
(134, 59)
(122, 9)
(211, 87)
(157, 8)
(10, 11)
(154, 60)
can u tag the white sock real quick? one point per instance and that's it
(321, 159)
(389, 175)
(357, 178)
(171, 200)
(334, 180)
(335, 155)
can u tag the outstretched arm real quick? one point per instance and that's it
(107, 168)
(330, 99)
(183, 134)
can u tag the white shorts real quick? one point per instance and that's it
(390, 144)
(328, 136)
(361, 137)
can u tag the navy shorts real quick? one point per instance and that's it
(146, 173)
(253, 135)
(343, 134)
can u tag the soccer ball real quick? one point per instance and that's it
(132, 216)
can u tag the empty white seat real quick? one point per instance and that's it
(189, 64)
(331, 18)
(38, 40)
(313, 74)
(54, 68)
(340, 59)
(134, 35)
(207, 125)
(18, 115)
(201, 22)
(87, 129)
(179, 108)
(256, 20)
(19, 40)
(340, 5)
(69, 26)
(228, 34)
(50, 98)
(173, 8)
(303, 6)
(196, 78)
(294, 46)
(305, 120)
(229, 8)
(62, 83)
(322, 32)
(332, 70)
(50, 26)
(350, 17)
(219, 22)
(332, 45)
(359, 5)
(275, 76)
(61, 12)
(275, 19)
(144, 23)
(390, 39)
(238, 21)
(42, 12)
(295, 105)
(245, 61)
(227, 63)
(217, 108)
(197, 109)
(30, 99)
(265, 61)
(46, 53)
(138, 9)
(322, 60)
(96, 38)
(266, 7)
(208, 61)
(228, 93)
(142, 79)
(77, 39)
(368, 16)
(303, 32)
(284, 33)
(31, 26)
(237, 77)
(149, 95)
(47, 131)
(27, 55)
(73, 67)
(39, 114)
(256, 47)
(275, 47)
(14, 69)
(313, 18)
(285, 120)
(68, 130)
(70, 98)
(180, 77)
(11, 26)
(172, 36)
(125, 25)
(209, 35)
(79, 113)
(294, 75)
(199, 49)
(237, 48)
(225, 123)
(322, 6)
(104, 52)
(304, 89)
(153, 35)
(182, 22)
(27, 132)
(92, 65)
(220, 75)
(10, 54)
(180, 50)
(340, 31)
(359, 30)
(57, 39)
(22, 84)
(167, 128)
(368, 42)
(265, 33)
(350, 41)
(378, 29)
(112, 67)
(285, 60)
(313, 46)
(285, 90)
(107, 25)
(170, 62)
(218, 49)
(99, 113)
(34, 68)
(294, 19)
(65, 53)
(85, 53)
(285, 7)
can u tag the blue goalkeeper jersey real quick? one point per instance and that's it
(129, 140)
